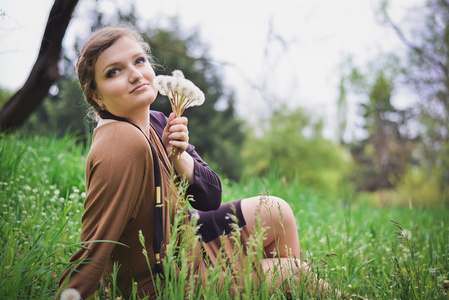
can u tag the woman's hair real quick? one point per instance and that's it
(98, 42)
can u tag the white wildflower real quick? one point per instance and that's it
(181, 92)
(407, 234)
(159, 83)
(70, 294)
(178, 74)
(195, 215)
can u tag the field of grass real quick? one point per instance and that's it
(390, 253)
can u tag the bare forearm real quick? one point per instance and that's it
(184, 166)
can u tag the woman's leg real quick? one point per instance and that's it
(281, 272)
(279, 223)
(281, 233)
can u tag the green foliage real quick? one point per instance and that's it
(425, 33)
(4, 96)
(41, 200)
(419, 187)
(61, 113)
(292, 145)
(350, 247)
(388, 146)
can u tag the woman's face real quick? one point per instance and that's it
(124, 79)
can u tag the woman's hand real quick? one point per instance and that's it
(176, 135)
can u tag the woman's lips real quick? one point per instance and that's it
(140, 87)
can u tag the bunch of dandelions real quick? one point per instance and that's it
(181, 92)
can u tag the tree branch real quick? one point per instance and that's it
(420, 51)
(45, 70)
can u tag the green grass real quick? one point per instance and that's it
(392, 253)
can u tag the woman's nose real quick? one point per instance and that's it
(135, 75)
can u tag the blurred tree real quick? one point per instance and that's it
(291, 143)
(342, 111)
(44, 72)
(63, 111)
(387, 150)
(426, 36)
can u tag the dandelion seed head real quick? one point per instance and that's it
(70, 294)
(169, 84)
(195, 215)
(177, 85)
(178, 74)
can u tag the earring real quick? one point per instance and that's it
(101, 107)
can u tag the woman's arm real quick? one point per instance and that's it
(204, 183)
(113, 169)
(176, 134)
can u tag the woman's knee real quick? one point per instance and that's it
(281, 207)
(268, 207)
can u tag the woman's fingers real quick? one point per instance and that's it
(179, 133)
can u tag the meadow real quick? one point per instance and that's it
(376, 253)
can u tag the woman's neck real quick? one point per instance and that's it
(140, 119)
(143, 121)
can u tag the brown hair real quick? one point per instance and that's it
(98, 42)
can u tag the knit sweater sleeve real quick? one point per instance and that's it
(206, 189)
(115, 170)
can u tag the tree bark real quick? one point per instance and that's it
(45, 71)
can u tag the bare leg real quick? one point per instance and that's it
(279, 222)
(281, 243)
(282, 272)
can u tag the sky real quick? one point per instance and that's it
(268, 52)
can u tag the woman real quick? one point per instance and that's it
(117, 81)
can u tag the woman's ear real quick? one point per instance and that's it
(97, 98)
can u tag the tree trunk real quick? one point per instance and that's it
(45, 71)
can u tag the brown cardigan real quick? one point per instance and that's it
(119, 202)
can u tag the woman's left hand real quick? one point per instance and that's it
(176, 134)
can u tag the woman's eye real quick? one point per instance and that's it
(141, 60)
(111, 73)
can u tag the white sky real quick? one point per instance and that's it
(319, 35)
